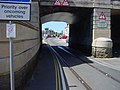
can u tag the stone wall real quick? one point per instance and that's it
(103, 52)
(26, 46)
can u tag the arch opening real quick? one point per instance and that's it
(80, 26)
(56, 33)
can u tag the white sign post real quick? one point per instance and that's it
(11, 33)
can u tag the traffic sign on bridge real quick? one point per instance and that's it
(102, 22)
(102, 16)
(59, 3)
(16, 1)
(65, 3)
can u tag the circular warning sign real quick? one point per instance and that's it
(11, 31)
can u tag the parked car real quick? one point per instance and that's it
(63, 37)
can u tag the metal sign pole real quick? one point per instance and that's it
(11, 63)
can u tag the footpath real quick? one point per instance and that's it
(113, 63)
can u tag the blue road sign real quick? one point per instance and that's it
(16, 1)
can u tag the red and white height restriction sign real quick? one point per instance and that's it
(102, 20)
(102, 16)
(59, 3)
(65, 3)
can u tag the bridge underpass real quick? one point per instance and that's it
(28, 32)
(79, 20)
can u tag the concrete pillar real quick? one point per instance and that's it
(101, 28)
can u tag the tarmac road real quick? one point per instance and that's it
(44, 75)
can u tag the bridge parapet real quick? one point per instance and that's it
(102, 3)
(113, 4)
(80, 3)
(77, 3)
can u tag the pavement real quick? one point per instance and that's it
(113, 63)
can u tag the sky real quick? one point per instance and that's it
(56, 26)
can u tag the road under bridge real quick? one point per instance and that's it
(88, 19)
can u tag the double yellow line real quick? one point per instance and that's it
(57, 72)
(60, 81)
